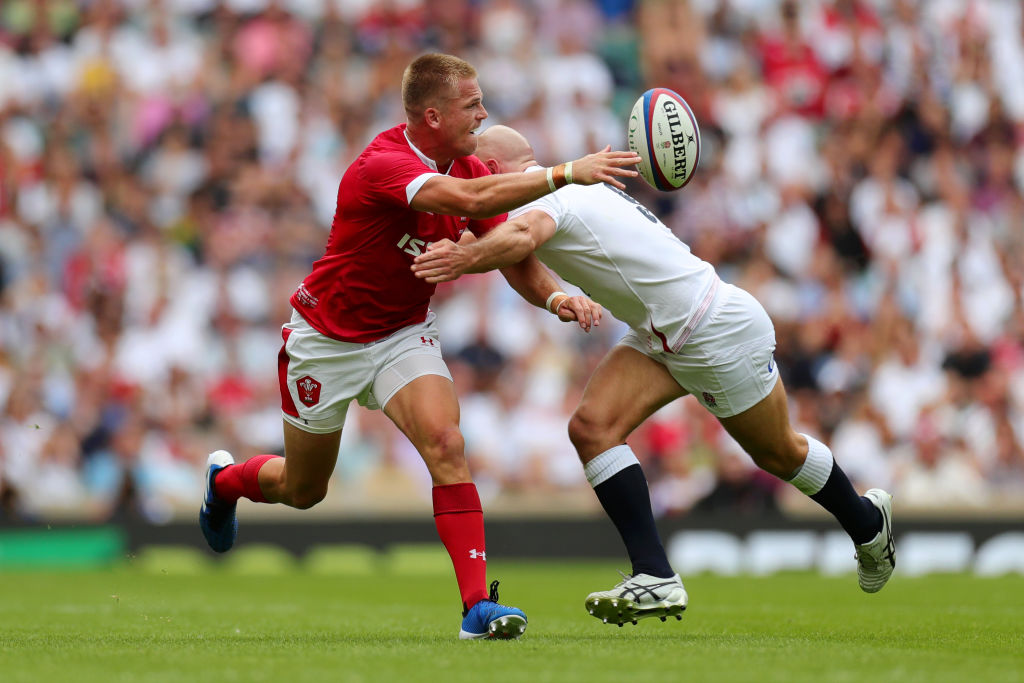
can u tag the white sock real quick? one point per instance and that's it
(608, 464)
(813, 474)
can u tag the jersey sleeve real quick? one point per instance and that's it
(549, 204)
(395, 177)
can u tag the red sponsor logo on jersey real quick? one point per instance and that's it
(309, 390)
(426, 340)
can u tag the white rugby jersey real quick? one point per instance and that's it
(619, 253)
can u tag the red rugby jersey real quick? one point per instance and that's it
(362, 289)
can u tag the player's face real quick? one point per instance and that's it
(461, 117)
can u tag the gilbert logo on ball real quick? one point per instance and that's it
(664, 132)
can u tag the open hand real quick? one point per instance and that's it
(605, 167)
(581, 309)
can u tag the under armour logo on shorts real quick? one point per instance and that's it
(709, 399)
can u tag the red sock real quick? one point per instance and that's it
(460, 524)
(241, 480)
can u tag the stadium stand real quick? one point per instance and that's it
(168, 171)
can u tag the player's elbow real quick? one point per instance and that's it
(516, 243)
(523, 241)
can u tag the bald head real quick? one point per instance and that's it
(504, 150)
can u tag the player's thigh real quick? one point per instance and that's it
(319, 377)
(309, 457)
(626, 388)
(426, 409)
(414, 388)
(764, 430)
(412, 354)
(728, 363)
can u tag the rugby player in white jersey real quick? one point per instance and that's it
(690, 333)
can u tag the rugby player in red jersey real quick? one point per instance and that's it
(361, 327)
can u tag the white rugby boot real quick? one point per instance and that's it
(638, 597)
(877, 558)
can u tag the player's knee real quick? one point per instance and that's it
(445, 454)
(588, 433)
(308, 496)
(448, 444)
(578, 430)
(782, 458)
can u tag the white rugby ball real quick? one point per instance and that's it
(664, 132)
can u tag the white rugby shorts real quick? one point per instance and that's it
(320, 376)
(728, 361)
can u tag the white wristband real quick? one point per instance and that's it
(552, 297)
(568, 173)
(551, 184)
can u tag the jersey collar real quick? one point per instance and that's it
(423, 157)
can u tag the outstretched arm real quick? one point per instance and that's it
(509, 247)
(534, 283)
(509, 243)
(491, 195)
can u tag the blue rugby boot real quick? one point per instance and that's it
(217, 518)
(488, 619)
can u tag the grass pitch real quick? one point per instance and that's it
(127, 624)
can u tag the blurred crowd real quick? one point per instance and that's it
(169, 169)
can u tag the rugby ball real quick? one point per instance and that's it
(664, 132)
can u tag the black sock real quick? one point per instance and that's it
(856, 514)
(627, 500)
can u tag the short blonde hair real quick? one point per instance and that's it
(431, 78)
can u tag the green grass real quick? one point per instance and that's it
(134, 624)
